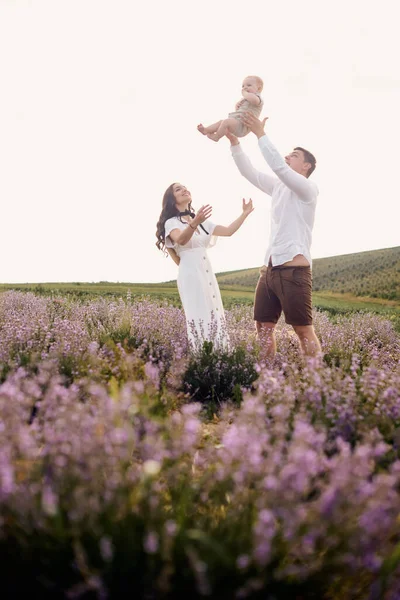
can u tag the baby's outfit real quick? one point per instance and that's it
(245, 106)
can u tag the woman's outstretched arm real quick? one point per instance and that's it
(234, 226)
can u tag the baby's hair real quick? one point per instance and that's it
(258, 80)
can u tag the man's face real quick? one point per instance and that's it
(297, 162)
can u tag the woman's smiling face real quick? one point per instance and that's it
(182, 195)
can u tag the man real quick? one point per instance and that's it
(285, 282)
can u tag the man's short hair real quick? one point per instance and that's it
(310, 158)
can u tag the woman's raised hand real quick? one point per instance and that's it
(247, 206)
(202, 214)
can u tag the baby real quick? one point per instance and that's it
(251, 101)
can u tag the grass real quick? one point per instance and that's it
(364, 281)
(230, 294)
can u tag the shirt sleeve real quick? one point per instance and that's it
(264, 182)
(169, 226)
(306, 190)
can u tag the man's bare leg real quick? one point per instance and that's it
(308, 340)
(266, 336)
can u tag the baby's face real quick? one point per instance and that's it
(250, 85)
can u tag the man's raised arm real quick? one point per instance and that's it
(303, 187)
(264, 182)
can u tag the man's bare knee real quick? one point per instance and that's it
(265, 331)
(303, 330)
(308, 339)
(266, 337)
(267, 327)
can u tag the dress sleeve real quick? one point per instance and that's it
(171, 224)
(210, 226)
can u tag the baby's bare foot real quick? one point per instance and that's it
(213, 136)
(202, 129)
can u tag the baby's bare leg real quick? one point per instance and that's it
(210, 129)
(225, 125)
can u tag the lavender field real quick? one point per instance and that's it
(130, 467)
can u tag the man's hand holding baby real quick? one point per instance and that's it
(254, 124)
(232, 138)
(251, 101)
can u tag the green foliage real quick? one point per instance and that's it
(375, 273)
(123, 335)
(372, 274)
(215, 374)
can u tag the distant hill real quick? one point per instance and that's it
(348, 278)
(375, 273)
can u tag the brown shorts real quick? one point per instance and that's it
(287, 289)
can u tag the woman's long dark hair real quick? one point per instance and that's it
(168, 210)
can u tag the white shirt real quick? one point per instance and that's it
(294, 198)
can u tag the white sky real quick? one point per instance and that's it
(99, 102)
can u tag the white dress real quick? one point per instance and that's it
(198, 286)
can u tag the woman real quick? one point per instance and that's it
(186, 236)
